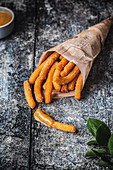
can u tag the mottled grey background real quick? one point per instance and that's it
(39, 25)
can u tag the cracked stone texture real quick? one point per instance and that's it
(16, 65)
(25, 143)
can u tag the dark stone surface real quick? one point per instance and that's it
(40, 25)
(16, 58)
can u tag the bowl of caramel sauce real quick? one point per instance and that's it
(6, 21)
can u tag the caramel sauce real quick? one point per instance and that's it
(5, 17)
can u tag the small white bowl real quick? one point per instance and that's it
(6, 29)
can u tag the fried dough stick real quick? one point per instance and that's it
(78, 87)
(68, 78)
(64, 127)
(28, 94)
(71, 85)
(59, 67)
(56, 85)
(45, 84)
(49, 84)
(44, 118)
(62, 64)
(67, 69)
(64, 88)
(36, 73)
(42, 76)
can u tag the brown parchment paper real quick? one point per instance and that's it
(82, 49)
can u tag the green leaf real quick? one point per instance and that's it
(105, 164)
(102, 135)
(110, 145)
(102, 157)
(93, 125)
(90, 153)
(93, 154)
(91, 142)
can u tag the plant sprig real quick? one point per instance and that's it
(102, 137)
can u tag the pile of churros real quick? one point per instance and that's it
(56, 72)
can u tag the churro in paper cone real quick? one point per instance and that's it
(82, 49)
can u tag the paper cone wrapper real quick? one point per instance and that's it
(82, 49)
